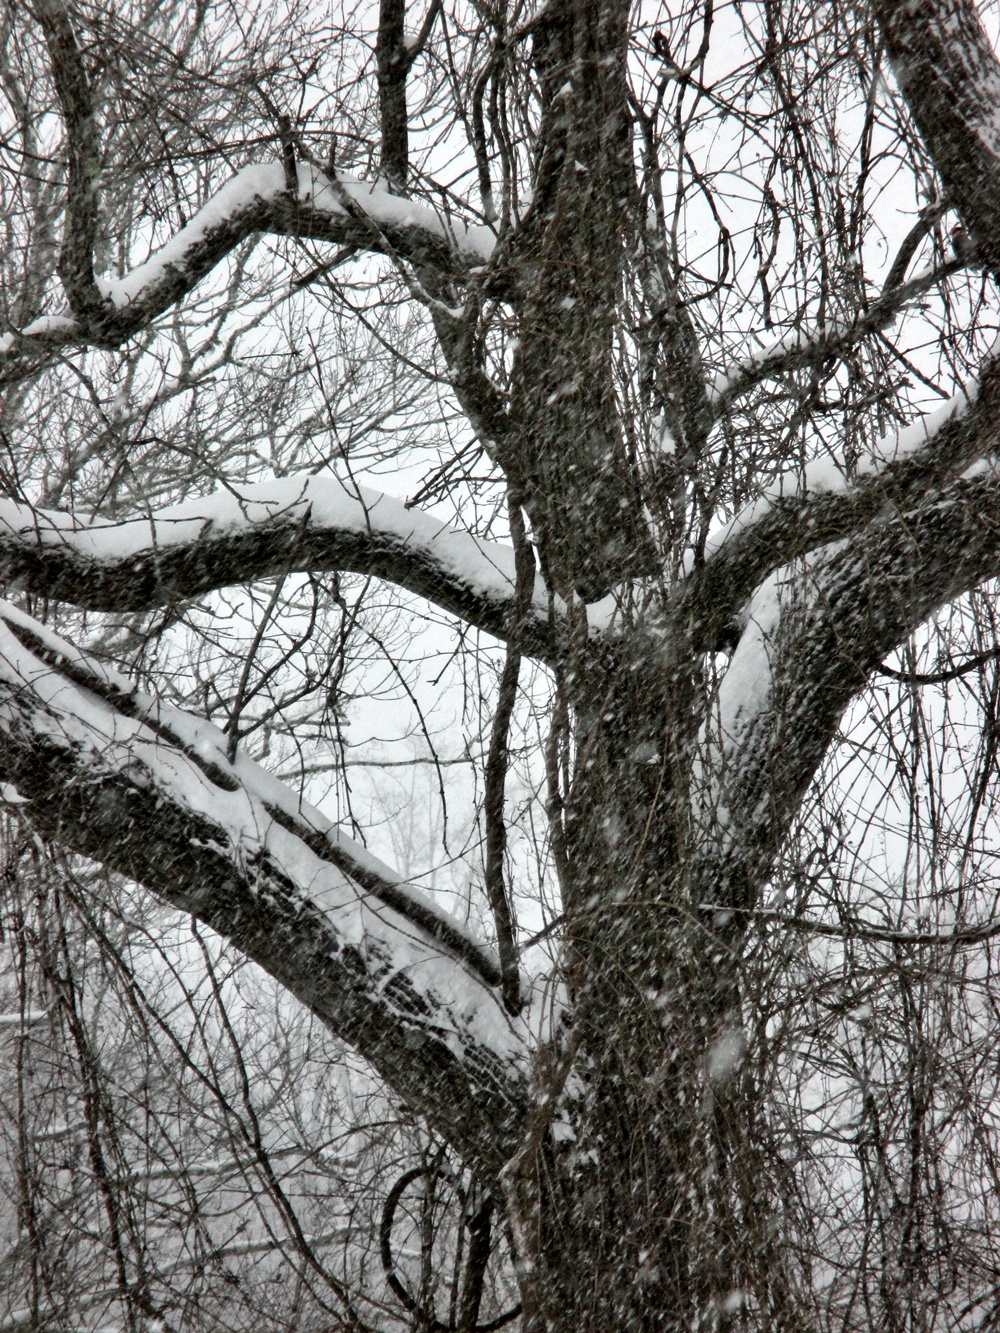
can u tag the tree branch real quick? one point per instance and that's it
(797, 349)
(779, 528)
(856, 929)
(76, 260)
(136, 800)
(253, 532)
(950, 77)
(814, 636)
(392, 64)
(255, 200)
(495, 776)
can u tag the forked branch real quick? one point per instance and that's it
(254, 201)
(815, 633)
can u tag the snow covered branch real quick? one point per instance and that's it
(809, 508)
(245, 533)
(814, 634)
(149, 792)
(343, 210)
(812, 347)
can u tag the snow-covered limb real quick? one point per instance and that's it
(206, 746)
(814, 633)
(345, 211)
(251, 532)
(808, 508)
(148, 792)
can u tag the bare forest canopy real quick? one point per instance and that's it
(552, 448)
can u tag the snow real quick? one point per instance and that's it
(212, 745)
(744, 693)
(390, 210)
(262, 182)
(792, 341)
(746, 685)
(801, 340)
(15, 1020)
(71, 716)
(725, 1056)
(265, 183)
(46, 326)
(601, 615)
(828, 476)
(911, 439)
(316, 504)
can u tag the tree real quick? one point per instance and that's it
(725, 509)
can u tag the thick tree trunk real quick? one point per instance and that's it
(627, 1194)
(622, 1203)
(635, 1195)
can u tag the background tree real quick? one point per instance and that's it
(694, 1011)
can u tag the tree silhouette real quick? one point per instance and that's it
(724, 508)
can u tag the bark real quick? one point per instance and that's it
(391, 59)
(630, 1171)
(83, 167)
(948, 73)
(570, 459)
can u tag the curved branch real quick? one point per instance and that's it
(255, 200)
(204, 836)
(252, 532)
(814, 636)
(76, 260)
(799, 349)
(781, 527)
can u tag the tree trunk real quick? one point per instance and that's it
(626, 1193)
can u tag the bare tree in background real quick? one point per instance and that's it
(642, 319)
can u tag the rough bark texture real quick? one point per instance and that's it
(570, 459)
(628, 1168)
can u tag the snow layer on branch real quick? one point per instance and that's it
(792, 341)
(827, 475)
(47, 326)
(390, 211)
(306, 504)
(265, 183)
(16, 1019)
(746, 686)
(73, 717)
(744, 693)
